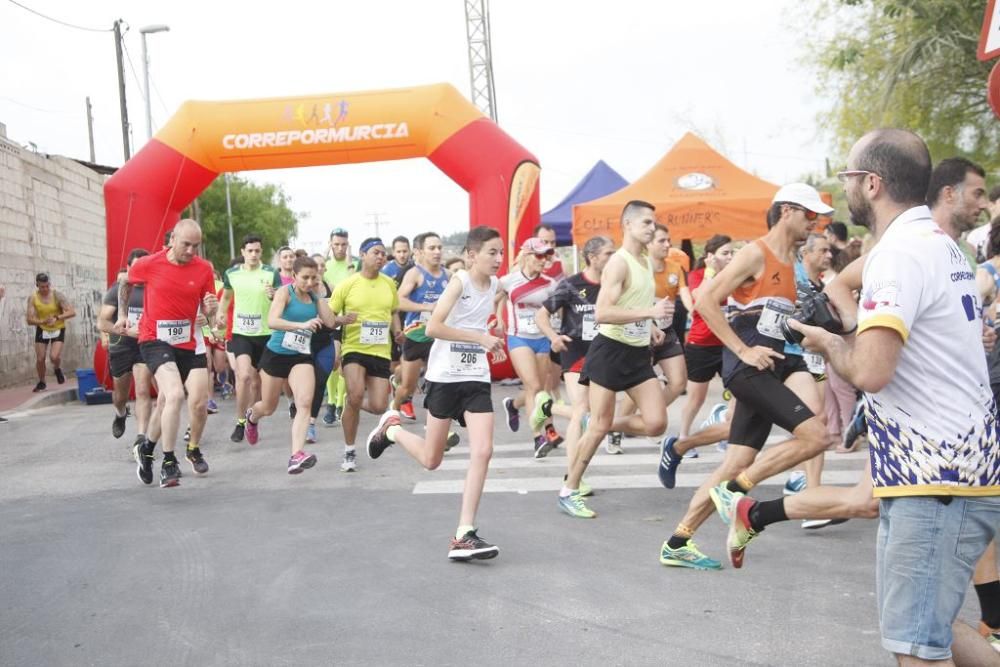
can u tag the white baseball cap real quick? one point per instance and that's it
(804, 195)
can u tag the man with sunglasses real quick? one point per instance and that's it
(369, 298)
(759, 289)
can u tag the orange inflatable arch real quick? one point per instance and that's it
(146, 196)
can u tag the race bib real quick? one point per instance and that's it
(638, 329)
(774, 313)
(173, 332)
(815, 363)
(556, 322)
(134, 315)
(664, 322)
(247, 323)
(49, 335)
(297, 341)
(589, 326)
(526, 322)
(374, 333)
(467, 360)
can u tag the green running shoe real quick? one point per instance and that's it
(725, 500)
(585, 490)
(574, 506)
(542, 411)
(688, 556)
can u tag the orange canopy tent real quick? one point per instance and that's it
(697, 193)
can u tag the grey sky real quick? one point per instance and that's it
(576, 82)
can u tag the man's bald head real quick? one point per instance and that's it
(185, 241)
(901, 160)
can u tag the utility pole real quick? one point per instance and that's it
(376, 223)
(121, 89)
(90, 130)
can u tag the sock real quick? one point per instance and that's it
(151, 444)
(741, 484)
(192, 445)
(462, 530)
(767, 512)
(680, 537)
(248, 417)
(169, 456)
(392, 431)
(989, 603)
(242, 421)
(348, 449)
(566, 492)
(121, 413)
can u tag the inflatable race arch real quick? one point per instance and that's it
(146, 196)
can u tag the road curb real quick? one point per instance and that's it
(48, 399)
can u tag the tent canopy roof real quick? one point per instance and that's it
(600, 180)
(696, 191)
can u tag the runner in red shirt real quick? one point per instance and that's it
(178, 285)
(703, 351)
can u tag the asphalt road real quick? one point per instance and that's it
(251, 566)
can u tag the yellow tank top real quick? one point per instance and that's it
(47, 310)
(639, 295)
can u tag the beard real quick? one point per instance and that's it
(964, 222)
(861, 211)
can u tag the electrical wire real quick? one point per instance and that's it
(34, 108)
(54, 20)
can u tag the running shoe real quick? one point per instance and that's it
(39, 387)
(292, 411)
(197, 461)
(228, 391)
(994, 641)
(552, 435)
(211, 407)
(613, 445)
(691, 454)
(796, 483)
(687, 556)
(406, 410)
(142, 452)
(118, 425)
(170, 473)
(542, 411)
(350, 463)
(330, 416)
(725, 500)
(377, 441)
(542, 446)
(513, 418)
(740, 532)
(253, 434)
(300, 461)
(856, 428)
(471, 547)
(585, 489)
(584, 422)
(393, 385)
(669, 461)
(60, 378)
(574, 506)
(452, 440)
(239, 431)
(311, 434)
(187, 434)
(716, 415)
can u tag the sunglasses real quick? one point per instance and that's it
(842, 176)
(810, 215)
(544, 255)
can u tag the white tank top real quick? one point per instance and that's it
(451, 361)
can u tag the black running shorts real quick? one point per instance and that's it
(375, 367)
(763, 400)
(61, 338)
(669, 348)
(250, 345)
(123, 356)
(155, 353)
(703, 361)
(280, 365)
(451, 400)
(416, 351)
(616, 366)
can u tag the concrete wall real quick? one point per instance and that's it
(52, 220)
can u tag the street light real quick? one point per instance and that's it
(145, 72)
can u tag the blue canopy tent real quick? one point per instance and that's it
(601, 180)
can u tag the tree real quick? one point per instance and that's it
(257, 209)
(909, 64)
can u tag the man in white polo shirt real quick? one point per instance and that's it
(931, 417)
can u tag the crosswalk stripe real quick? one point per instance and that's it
(609, 460)
(605, 482)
